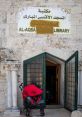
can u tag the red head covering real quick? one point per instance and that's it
(31, 90)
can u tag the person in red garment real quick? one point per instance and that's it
(32, 96)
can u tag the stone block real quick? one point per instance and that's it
(3, 17)
(12, 112)
(76, 9)
(76, 114)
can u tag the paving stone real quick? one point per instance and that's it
(48, 113)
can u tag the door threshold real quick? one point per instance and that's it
(53, 106)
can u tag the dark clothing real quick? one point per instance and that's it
(31, 103)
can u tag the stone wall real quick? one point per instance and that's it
(25, 45)
(8, 62)
(18, 47)
(2, 88)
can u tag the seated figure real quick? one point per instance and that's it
(32, 96)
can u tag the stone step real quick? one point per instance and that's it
(12, 113)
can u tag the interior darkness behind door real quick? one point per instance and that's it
(50, 85)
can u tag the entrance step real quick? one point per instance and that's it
(79, 107)
(54, 106)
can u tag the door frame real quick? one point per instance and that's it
(58, 72)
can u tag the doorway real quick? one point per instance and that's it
(52, 83)
(49, 71)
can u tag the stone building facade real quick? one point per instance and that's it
(16, 47)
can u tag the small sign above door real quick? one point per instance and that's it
(44, 20)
